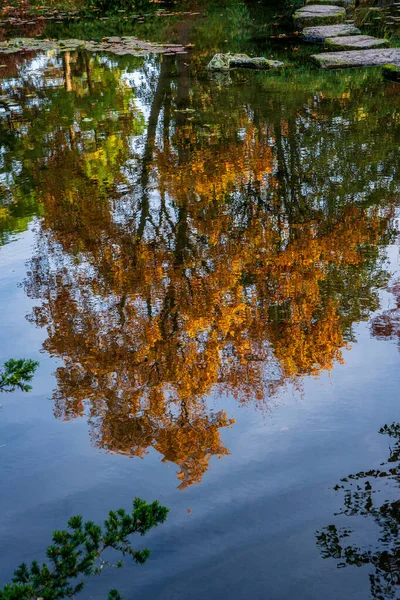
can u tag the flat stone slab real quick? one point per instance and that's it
(357, 58)
(318, 35)
(392, 72)
(345, 3)
(355, 42)
(318, 14)
(116, 45)
(224, 62)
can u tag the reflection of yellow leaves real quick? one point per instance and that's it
(247, 160)
(168, 335)
(3, 213)
(149, 324)
(361, 114)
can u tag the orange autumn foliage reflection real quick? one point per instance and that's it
(144, 346)
(190, 278)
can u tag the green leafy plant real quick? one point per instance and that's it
(77, 552)
(17, 373)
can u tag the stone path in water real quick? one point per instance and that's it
(355, 42)
(357, 58)
(327, 22)
(319, 14)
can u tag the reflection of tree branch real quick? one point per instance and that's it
(360, 496)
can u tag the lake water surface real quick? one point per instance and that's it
(208, 271)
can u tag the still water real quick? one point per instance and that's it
(208, 272)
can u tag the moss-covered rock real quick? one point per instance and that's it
(126, 45)
(224, 62)
(355, 42)
(357, 58)
(318, 14)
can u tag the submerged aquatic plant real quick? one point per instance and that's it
(77, 552)
(17, 373)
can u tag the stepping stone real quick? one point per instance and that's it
(356, 42)
(318, 14)
(392, 72)
(345, 3)
(357, 58)
(224, 62)
(318, 35)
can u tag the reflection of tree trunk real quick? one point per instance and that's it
(67, 71)
(181, 234)
(182, 102)
(297, 199)
(68, 87)
(72, 137)
(169, 312)
(158, 100)
(289, 186)
(88, 74)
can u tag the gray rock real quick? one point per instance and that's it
(258, 62)
(319, 34)
(356, 42)
(318, 14)
(219, 62)
(224, 62)
(357, 58)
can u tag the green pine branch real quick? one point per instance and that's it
(77, 552)
(17, 373)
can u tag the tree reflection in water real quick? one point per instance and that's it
(208, 249)
(386, 326)
(365, 494)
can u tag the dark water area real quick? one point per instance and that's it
(207, 269)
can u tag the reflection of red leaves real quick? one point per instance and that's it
(10, 63)
(386, 326)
